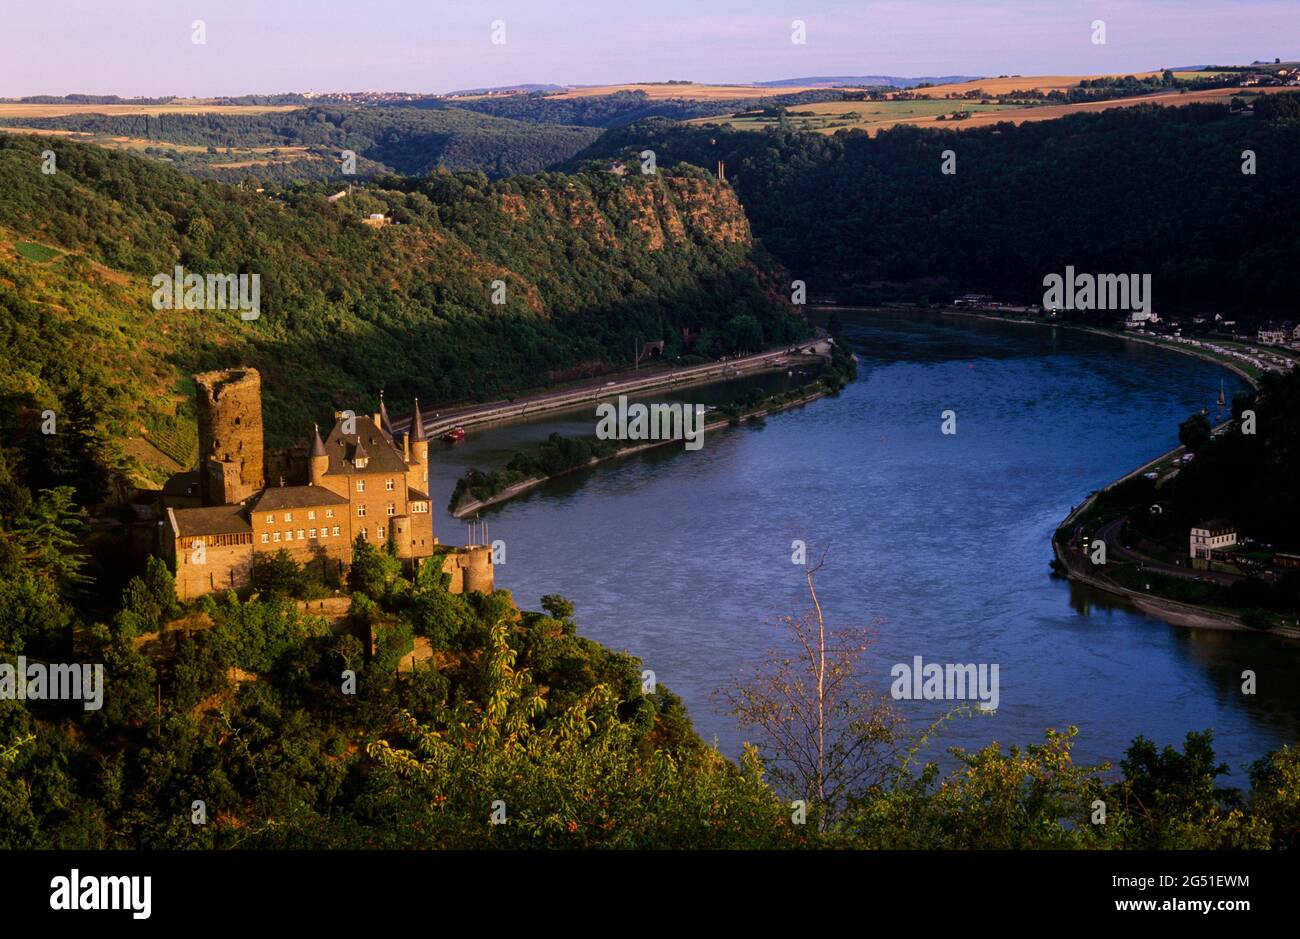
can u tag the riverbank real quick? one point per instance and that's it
(1196, 352)
(530, 405)
(1174, 612)
(465, 508)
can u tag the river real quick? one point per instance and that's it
(684, 558)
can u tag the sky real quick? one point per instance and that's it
(145, 47)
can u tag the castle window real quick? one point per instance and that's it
(313, 534)
(365, 534)
(300, 534)
(311, 516)
(361, 485)
(270, 520)
(265, 537)
(392, 509)
(380, 532)
(361, 511)
(329, 513)
(288, 535)
(335, 531)
(276, 536)
(388, 484)
(419, 507)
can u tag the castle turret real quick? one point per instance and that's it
(229, 406)
(383, 423)
(318, 461)
(419, 477)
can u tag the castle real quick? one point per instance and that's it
(363, 480)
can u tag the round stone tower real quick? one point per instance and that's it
(230, 435)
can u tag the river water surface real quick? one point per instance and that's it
(684, 558)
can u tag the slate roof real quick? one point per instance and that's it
(341, 449)
(275, 498)
(211, 520)
(417, 423)
(317, 445)
(184, 484)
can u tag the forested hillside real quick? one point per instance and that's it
(621, 107)
(590, 263)
(253, 723)
(1252, 479)
(1148, 189)
(386, 140)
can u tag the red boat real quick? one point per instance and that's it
(455, 435)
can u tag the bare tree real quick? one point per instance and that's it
(824, 733)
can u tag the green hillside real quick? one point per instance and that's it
(1152, 190)
(590, 262)
(385, 140)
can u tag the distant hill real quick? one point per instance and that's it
(616, 108)
(859, 81)
(401, 140)
(849, 210)
(506, 89)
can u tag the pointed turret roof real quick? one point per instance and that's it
(384, 423)
(317, 445)
(417, 423)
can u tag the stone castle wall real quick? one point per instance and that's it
(470, 570)
(229, 406)
(220, 567)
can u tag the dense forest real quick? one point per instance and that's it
(385, 140)
(583, 265)
(1250, 479)
(256, 722)
(621, 107)
(1144, 189)
(259, 720)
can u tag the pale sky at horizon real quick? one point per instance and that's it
(143, 47)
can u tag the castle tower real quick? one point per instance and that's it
(383, 423)
(317, 460)
(402, 537)
(418, 477)
(230, 435)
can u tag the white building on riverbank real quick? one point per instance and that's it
(1211, 536)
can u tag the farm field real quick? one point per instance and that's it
(875, 116)
(225, 157)
(831, 116)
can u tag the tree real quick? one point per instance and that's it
(744, 334)
(52, 534)
(1195, 432)
(1275, 794)
(162, 585)
(824, 734)
(372, 570)
(1035, 797)
(280, 575)
(560, 608)
(1173, 800)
